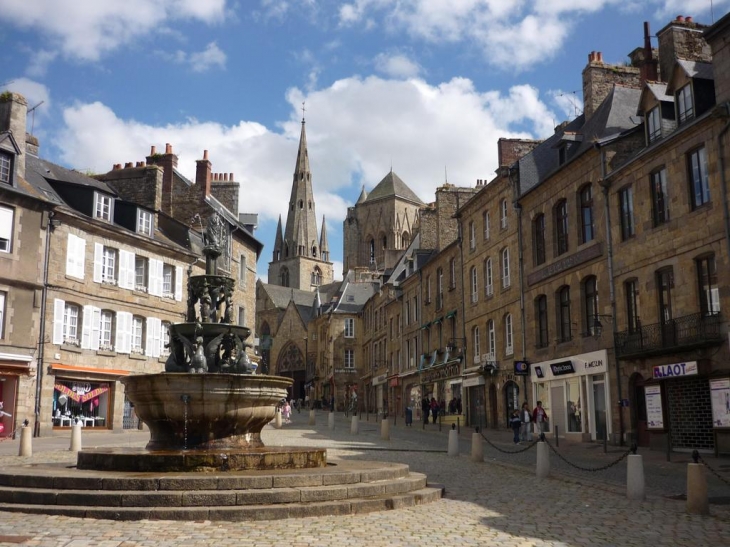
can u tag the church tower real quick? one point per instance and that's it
(301, 254)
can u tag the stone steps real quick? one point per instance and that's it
(345, 488)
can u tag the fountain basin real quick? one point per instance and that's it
(187, 411)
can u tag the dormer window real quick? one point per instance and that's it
(562, 154)
(144, 222)
(6, 168)
(102, 207)
(685, 108)
(654, 124)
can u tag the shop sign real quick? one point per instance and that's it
(654, 414)
(441, 373)
(563, 367)
(393, 382)
(474, 381)
(677, 369)
(720, 396)
(343, 371)
(522, 368)
(380, 379)
(539, 373)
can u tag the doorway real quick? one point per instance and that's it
(599, 405)
(638, 410)
(493, 406)
(558, 415)
(511, 400)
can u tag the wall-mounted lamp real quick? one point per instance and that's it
(597, 326)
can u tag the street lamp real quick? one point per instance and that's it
(597, 326)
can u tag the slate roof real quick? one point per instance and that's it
(390, 186)
(48, 170)
(615, 116)
(697, 69)
(354, 295)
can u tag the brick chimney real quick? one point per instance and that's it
(599, 79)
(168, 162)
(511, 150)
(13, 112)
(646, 59)
(202, 175)
(681, 39)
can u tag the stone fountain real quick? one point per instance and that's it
(208, 408)
(205, 458)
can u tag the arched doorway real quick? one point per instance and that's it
(291, 364)
(638, 409)
(493, 406)
(511, 400)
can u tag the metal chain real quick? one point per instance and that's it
(490, 443)
(591, 469)
(11, 437)
(723, 479)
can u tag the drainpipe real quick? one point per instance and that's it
(611, 290)
(42, 331)
(521, 266)
(723, 111)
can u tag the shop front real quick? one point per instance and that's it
(380, 390)
(574, 392)
(444, 383)
(85, 395)
(684, 403)
(412, 394)
(14, 370)
(394, 396)
(476, 411)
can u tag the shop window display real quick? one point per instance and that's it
(86, 401)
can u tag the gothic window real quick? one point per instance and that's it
(317, 276)
(284, 277)
(405, 239)
(314, 251)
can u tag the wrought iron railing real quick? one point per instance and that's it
(695, 330)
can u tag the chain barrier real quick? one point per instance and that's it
(703, 462)
(503, 451)
(591, 469)
(11, 437)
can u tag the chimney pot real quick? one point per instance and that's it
(152, 150)
(688, 19)
(205, 154)
(143, 164)
(168, 148)
(680, 18)
(230, 176)
(599, 56)
(225, 177)
(128, 165)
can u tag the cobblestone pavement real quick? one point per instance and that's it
(487, 503)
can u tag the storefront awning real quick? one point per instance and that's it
(425, 326)
(450, 314)
(93, 370)
(438, 320)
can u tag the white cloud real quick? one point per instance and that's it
(356, 128)
(569, 102)
(396, 65)
(39, 62)
(35, 94)
(88, 29)
(211, 56)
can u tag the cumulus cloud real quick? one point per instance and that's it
(34, 92)
(88, 29)
(396, 65)
(210, 57)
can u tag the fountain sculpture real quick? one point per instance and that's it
(208, 407)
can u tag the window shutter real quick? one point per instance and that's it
(71, 255)
(86, 330)
(151, 271)
(59, 307)
(149, 349)
(98, 258)
(95, 328)
(156, 335)
(155, 278)
(178, 283)
(123, 335)
(80, 254)
(126, 269)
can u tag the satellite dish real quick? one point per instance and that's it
(62, 399)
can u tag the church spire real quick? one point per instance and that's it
(279, 242)
(324, 248)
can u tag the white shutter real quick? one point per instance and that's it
(95, 328)
(178, 283)
(160, 276)
(71, 255)
(6, 223)
(59, 307)
(123, 334)
(149, 349)
(151, 270)
(80, 253)
(124, 269)
(86, 329)
(131, 273)
(98, 260)
(155, 277)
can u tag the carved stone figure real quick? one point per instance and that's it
(215, 233)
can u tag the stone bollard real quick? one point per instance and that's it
(312, 419)
(697, 501)
(75, 437)
(331, 420)
(385, 429)
(26, 442)
(635, 478)
(543, 460)
(277, 419)
(453, 441)
(355, 425)
(477, 448)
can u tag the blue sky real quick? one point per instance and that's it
(424, 86)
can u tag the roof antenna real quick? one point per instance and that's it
(446, 176)
(32, 121)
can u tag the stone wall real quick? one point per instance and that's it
(511, 150)
(226, 193)
(13, 111)
(681, 39)
(599, 79)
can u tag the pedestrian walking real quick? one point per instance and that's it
(286, 412)
(526, 419)
(540, 417)
(516, 423)
(425, 407)
(434, 409)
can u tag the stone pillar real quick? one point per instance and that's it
(385, 429)
(477, 448)
(355, 425)
(543, 460)
(635, 478)
(312, 419)
(453, 443)
(26, 442)
(75, 437)
(697, 501)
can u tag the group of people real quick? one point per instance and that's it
(435, 408)
(521, 422)
(286, 407)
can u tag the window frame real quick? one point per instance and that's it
(626, 212)
(565, 327)
(562, 242)
(707, 285)
(106, 330)
(503, 214)
(698, 177)
(684, 99)
(659, 196)
(7, 167)
(103, 206)
(590, 304)
(654, 124)
(506, 281)
(7, 243)
(541, 319)
(3, 299)
(136, 338)
(349, 327)
(109, 265)
(538, 239)
(509, 348)
(474, 277)
(491, 340)
(349, 359)
(145, 222)
(71, 315)
(489, 277)
(631, 293)
(485, 219)
(585, 204)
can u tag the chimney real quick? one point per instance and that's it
(202, 174)
(681, 39)
(168, 162)
(599, 79)
(13, 112)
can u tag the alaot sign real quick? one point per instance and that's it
(661, 372)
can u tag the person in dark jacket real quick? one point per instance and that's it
(516, 423)
(425, 407)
